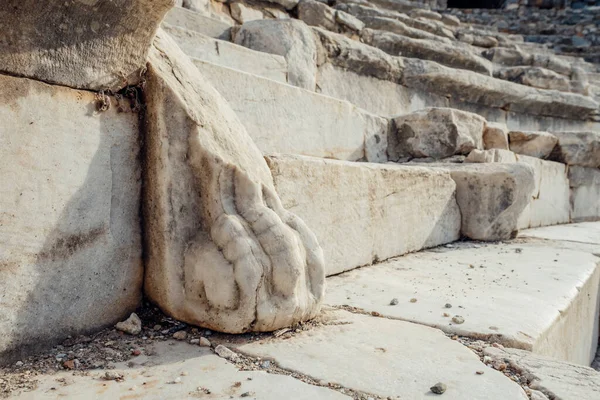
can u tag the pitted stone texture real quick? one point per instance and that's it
(286, 119)
(292, 39)
(222, 251)
(533, 144)
(554, 378)
(70, 246)
(578, 148)
(495, 136)
(585, 193)
(220, 52)
(390, 359)
(99, 44)
(436, 133)
(550, 203)
(363, 212)
(485, 284)
(491, 197)
(432, 50)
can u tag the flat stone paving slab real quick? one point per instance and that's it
(557, 380)
(584, 232)
(393, 359)
(177, 371)
(531, 296)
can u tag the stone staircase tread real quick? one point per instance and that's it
(198, 22)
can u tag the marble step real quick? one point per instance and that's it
(535, 293)
(198, 22)
(227, 54)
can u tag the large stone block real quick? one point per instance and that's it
(550, 201)
(436, 133)
(534, 144)
(70, 246)
(286, 119)
(362, 212)
(585, 193)
(292, 39)
(98, 44)
(227, 54)
(578, 148)
(223, 253)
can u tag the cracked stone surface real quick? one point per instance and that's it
(223, 252)
(176, 371)
(557, 380)
(489, 286)
(388, 358)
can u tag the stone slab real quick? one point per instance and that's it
(70, 245)
(227, 54)
(550, 204)
(391, 359)
(554, 378)
(282, 118)
(532, 296)
(149, 380)
(583, 232)
(362, 213)
(195, 21)
(585, 193)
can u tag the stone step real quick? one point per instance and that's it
(530, 294)
(195, 21)
(286, 119)
(363, 213)
(227, 54)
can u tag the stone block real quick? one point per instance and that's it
(495, 136)
(436, 133)
(70, 245)
(362, 212)
(243, 13)
(534, 144)
(292, 39)
(95, 45)
(197, 22)
(315, 13)
(578, 148)
(227, 54)
(585, 193)
(286, 119)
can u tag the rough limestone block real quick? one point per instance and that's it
(436, 133)
(287, 4)
(315, 13)
(400, 28)
(70, 246)
(286, 119)
(390, 359)
(495, 136)
(292, 39)
(363, 212)
(349, 21)
(534, 144)
(532, 295)
(242, 13)
(450, 20)
(578, 148)
(95, 45)
(491, 198)
(446, 54)
(222, 251)
(550, 203)
(197, 22)
(555, 378)
(227, 54)
(585, 193)
(534, 77)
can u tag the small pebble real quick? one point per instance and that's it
(438, 388)
(448, 305)
(394, 302)
(195, 341)
(204, 342)
(479, 372)
(413, 300)
(225, 353)
(19, 363)
(457, 319)
(180, 335)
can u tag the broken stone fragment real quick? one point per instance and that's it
(242, 13)
(226, 353)
(132, 325)
(533, 144)
(223, 252)
(349, 21)
(315, 13)
(100, 44)
(436, 133)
